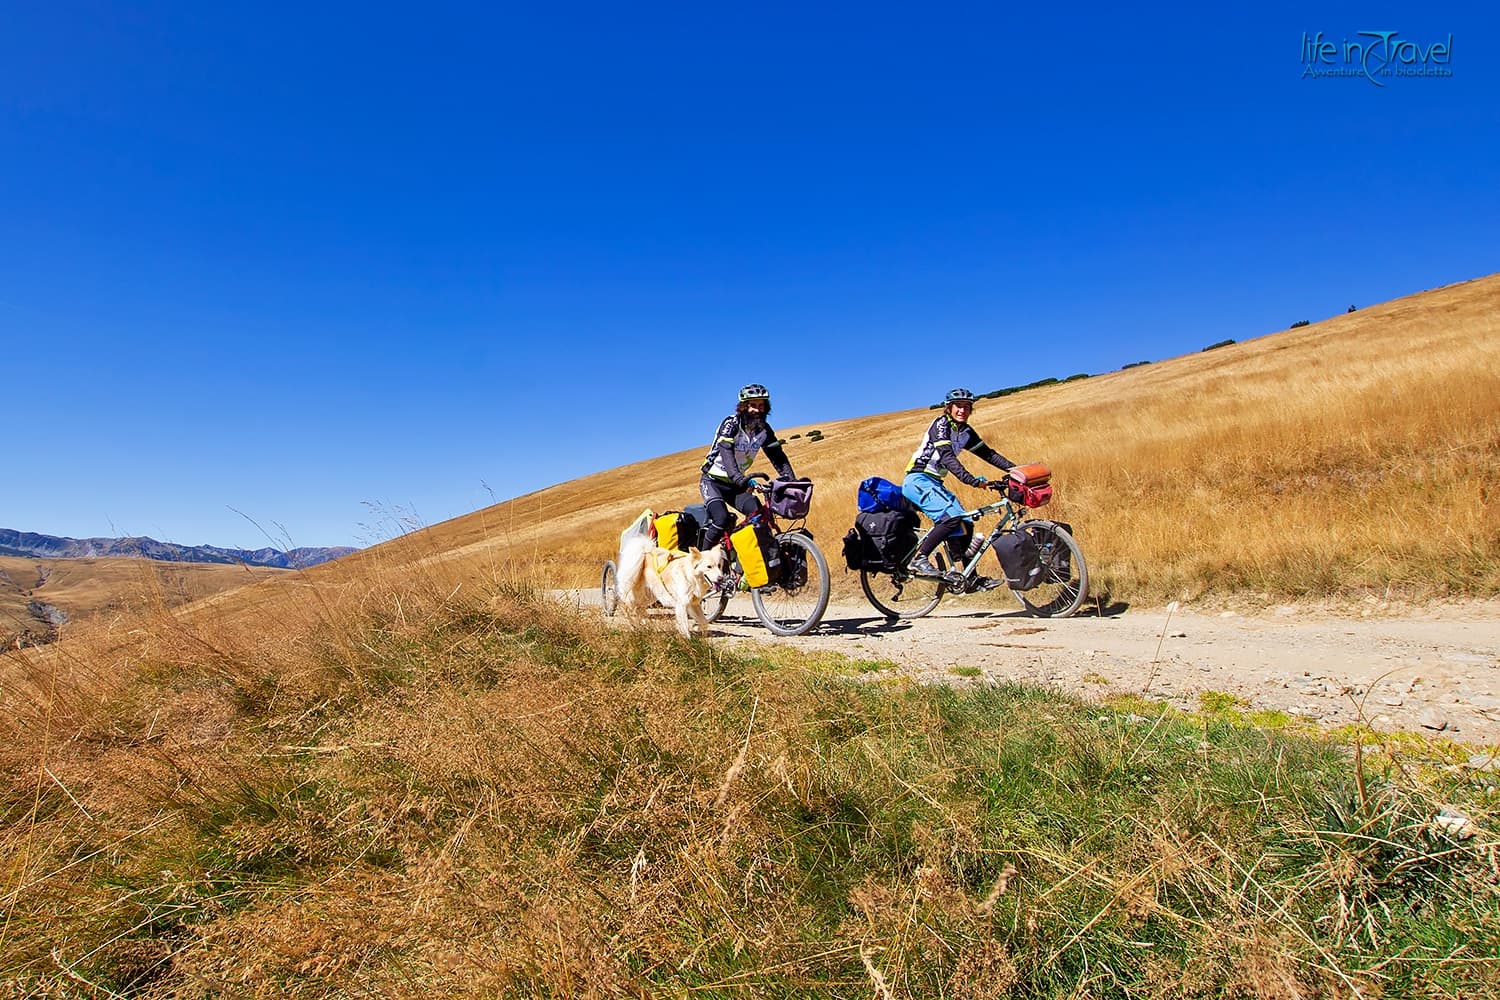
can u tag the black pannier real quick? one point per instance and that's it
(699, 514)
(854, 549)
(889, 537)
(1057, 558)
(793, 564)
(1021, 559)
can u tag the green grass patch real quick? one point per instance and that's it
(1219, 702)
(1269, 718)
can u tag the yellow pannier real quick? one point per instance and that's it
(755, 547)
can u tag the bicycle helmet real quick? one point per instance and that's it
(958, 396)
(754, 391)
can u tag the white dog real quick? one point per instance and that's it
(677, 580)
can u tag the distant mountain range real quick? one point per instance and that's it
(28, 544)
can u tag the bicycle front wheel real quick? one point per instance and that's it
(900, 594)
(794, 605)
(609, 593)
(1065, 577)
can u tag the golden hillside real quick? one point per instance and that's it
(82, 588)
(1356, 455)
(1353, 455)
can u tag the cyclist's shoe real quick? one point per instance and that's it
(983, 583)
(922, 566)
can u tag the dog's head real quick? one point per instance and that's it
(710, 566)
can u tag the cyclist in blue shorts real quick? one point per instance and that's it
(934, 458)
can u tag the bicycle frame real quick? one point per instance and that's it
(1043, 591)
(1011, 517)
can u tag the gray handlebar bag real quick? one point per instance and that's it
(791, 498)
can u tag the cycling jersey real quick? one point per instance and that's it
(735, 447)
(937, 455)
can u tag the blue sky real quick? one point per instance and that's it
(321, 266)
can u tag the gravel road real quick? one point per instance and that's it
(1432, 670)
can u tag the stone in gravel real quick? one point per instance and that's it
(1434, 720)
(1393, 702)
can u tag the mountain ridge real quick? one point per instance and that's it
(30, 544)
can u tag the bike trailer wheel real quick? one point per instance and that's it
(609, 594)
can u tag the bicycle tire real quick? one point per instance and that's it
(609, 591)
(795, 607)
(899, 594)
(1055, 598)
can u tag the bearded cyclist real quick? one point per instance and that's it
(740, 436)
(934, 458)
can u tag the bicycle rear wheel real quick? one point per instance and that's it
(1065, 577)
(795, 604)
(609, 593)
(900, 594)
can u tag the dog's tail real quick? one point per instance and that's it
(630, 572)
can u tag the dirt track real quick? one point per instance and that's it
(1435, 670)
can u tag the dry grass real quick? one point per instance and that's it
(425, 786)
(1353, 456)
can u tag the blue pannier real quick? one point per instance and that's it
(876, 494)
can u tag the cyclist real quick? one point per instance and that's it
(740, 436)
(934, 458)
